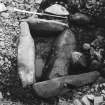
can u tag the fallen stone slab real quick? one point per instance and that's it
(61, 85)
(26, 56)
(43, 25)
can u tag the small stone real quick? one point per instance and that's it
(80, 93)
(38, 1)
(1, 62)
(103, 91)
(86, 46)
(90, 97)
(85, 100)
(98, 100)
(57, 9)
(6, 59)
(2, 44)
(2, 7)
(103, 84)
(77, 102)
(96, 87)
(8, 93)
(1, 96)
(92, 90)
(5, 15)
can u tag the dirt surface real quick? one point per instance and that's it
(10, 85)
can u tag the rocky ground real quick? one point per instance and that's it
(9, 33)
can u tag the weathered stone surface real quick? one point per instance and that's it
(26, 56)
(59, 86)
(61, 52)
(57, 9)
(98, 100)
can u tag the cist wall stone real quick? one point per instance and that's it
(26, 56)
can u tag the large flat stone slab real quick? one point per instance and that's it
(26, 56)
(43, 25)
(61, 85)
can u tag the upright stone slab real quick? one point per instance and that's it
(26, 56)
(58, 63)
